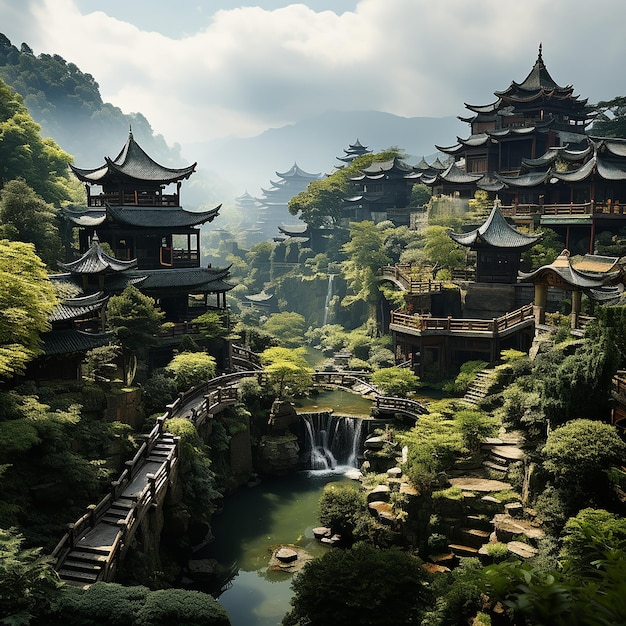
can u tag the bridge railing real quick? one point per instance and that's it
(401, 273)
(95, 512)
(401, 404)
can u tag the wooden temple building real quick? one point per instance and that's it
(156, 248)
(531, 148)
(273, 209)
(353, 151)
(384, 192)
(498, 246)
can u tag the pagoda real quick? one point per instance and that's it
(274, 201)
(600, 278)
(532, 149)
(384, 193)
(155, 242)
(353, 151)
(498, 246)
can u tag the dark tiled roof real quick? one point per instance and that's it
(96, 261)
(85, 216)
(160, 217)
(133, 162)
(496, 232)
(75, 308)
(565, 270)
(193, 280)
(296, 172)
(57, 342)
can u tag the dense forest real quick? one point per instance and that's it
(60, 447)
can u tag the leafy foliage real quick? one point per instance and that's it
(362, 585)
(191, 368)
(341, 507)
(26, 299)
(287, 370)
(395, 381)
(28, 582)
(287, 327)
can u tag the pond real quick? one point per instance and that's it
(340, 401)
(254, 521)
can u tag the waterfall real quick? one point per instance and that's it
(329, 295)
(331, 440)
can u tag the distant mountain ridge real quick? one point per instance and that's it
(67, 104)
(315, 143)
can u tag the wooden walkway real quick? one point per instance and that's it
(94, 545)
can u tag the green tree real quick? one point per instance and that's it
(578, 453)
(25, 216)
(136, 321)
(287, 327)
(365, 253)
(287, 369)
(24, 154)
(362, 585)
(210, 325)
(322, 202)
(474, 426)
(440, 250)
(395, 381)
(28, 582)
(609, 117)
(26, 300)
(340, 508)
(191, 368)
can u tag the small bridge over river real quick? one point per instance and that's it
(94, 545)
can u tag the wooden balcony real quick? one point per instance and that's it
(400, 274)
(133, 198)
(572, 208)
(423, 325)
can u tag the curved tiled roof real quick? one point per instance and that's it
(58, 342)
(133, 162)
(297, 172)
(562, 270)
(148, 217)
(75, 308)
(496, 232)
(96, 261)
(160, 217)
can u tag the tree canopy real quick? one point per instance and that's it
(25, 154)
(26, 299)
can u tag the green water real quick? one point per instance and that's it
(254, 521)
(339, 401)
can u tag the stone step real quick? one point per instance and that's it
(474, 537)
(479, 521)
(495, 466)
(82, 566)
(78, 576)
(461, 550)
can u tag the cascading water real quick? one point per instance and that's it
(329, 295)
(332, 440)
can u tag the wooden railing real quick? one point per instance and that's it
(618, 383)
(179, 329)
(401, 275)
(245, 357)
(387, 403)
(133, 198)
(450, 324)
(571, 208)
(95, 512)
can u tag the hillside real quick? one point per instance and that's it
(67, 104)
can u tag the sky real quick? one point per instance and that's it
(204, 70)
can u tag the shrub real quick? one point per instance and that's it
(178, 606)
(395, 381)
(191, 369)
(340, 507)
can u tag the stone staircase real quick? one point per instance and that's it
(501, 452)
(479, 387)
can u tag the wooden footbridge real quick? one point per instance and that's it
(94, 545)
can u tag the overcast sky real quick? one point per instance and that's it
(208, 69)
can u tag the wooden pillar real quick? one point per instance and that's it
(576, 306)
(540, 302)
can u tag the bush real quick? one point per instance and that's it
(395, 381)
(158, 391)
(191, 368)
(177, 606)
(343, 586)
(340, 508)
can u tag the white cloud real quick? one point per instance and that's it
(245, 69)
